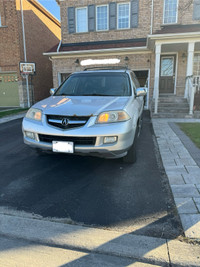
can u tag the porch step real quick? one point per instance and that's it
(172, 115)
(171, 106)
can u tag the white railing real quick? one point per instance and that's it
(190, 90)
(196, 82)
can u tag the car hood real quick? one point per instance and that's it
(81, 105)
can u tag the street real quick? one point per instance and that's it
(89, 191)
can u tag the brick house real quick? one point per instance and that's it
(42, 31)
(158, 39)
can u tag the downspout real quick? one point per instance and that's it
(59, 45)
(152, 17)
(24, 45)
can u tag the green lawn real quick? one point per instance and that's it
(12, 112)
(192, 130)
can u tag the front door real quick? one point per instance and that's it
(167, 74)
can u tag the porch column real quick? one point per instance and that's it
(157, 75)
(190, 59)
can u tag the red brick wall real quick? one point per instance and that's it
(9, 37)
(140, 32)
(41, 35)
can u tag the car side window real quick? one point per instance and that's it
(133, 82)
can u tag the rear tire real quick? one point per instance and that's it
(131, 155)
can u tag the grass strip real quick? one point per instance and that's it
(192, 130)
(12, 112)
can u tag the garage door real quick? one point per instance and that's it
(9, 93)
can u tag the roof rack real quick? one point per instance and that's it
(107, 68)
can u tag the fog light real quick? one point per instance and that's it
(110, 139)
(30, 135)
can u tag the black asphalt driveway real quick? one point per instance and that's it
(86, 190)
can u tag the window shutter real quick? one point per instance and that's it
(134, 13)
(112, 15)
(71, 20)
(196, 10)
(91, 18)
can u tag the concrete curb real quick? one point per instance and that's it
(91, 240)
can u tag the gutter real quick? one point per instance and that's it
(152, 16)
(127, 49)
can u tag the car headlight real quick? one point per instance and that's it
(112, 116)
(34, 114)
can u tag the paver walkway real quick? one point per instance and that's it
(183, 173)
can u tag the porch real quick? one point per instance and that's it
(177, 76)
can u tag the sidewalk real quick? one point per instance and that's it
(182, 168)
(86, 246)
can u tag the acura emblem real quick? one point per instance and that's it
(64, 122)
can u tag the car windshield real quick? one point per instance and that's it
(96, 84)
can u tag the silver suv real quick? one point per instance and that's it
(95, 112)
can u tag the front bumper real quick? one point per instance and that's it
(124, 131)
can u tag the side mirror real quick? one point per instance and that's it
(52, 91)
(141, 91)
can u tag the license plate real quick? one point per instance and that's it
(64, 147)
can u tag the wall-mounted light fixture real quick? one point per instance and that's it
(126, 59)
(184, 56)
(77, 62)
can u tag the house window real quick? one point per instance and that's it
(81, 20)
(102, 18)
(123, 18)
(196, 68)
(170, 11)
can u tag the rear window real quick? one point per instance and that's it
(96, 84)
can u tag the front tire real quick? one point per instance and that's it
(131, 155)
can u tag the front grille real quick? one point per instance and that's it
(72, 121)
(76, 140)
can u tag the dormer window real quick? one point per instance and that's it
(81, 20)
(170, 11)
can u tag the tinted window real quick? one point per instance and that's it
(105, 84)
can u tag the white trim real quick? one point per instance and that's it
(59, 79)
(85, 7)
(177, 4)
(176, 36)
(107, 18)
(129, 22)
(176, 73)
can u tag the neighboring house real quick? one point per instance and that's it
(42, 31)
(158, 39)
